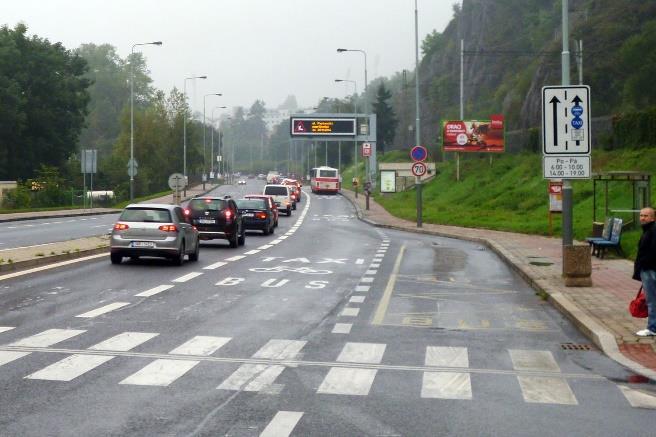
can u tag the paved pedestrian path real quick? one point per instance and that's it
(600, 312)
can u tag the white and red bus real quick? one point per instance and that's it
(325, 179)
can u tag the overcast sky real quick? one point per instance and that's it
(249, 49)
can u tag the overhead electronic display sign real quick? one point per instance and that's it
(309, 126)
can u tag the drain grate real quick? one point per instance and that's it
(575, 347)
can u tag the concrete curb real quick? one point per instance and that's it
(603, 339)
(16, 219)
(51, 259)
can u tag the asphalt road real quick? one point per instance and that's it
(329, 327)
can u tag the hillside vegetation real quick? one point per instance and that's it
(510, 194)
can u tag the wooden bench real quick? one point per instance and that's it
(613, 242)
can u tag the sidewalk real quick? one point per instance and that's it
(600, 312)
(21, 258)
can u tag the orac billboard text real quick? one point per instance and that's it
(303, 127)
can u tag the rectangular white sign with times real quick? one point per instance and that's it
(566, 167)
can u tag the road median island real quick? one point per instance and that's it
(13, 260)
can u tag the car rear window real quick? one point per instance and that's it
(151, 215)
(200, 205)
(275, 191)
(250, 203)
(327, 173)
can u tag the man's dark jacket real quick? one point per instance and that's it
(646, 258)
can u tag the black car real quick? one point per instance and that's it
(217, 218)
(257, 214)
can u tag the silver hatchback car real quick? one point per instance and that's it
(154, 230)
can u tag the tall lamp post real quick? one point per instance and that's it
(366, 104)
(204, 147)
(132, 167)
(184, 132)
(355, 142)
(212, 140)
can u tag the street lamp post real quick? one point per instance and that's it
(366, 104)
(131, 164)
(204, 147)
(184, 133)
(212, 140)
(355, 142)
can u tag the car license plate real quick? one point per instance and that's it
(143, 244)
(207, 221)
(249, 214)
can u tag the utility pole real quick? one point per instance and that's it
(567, 183)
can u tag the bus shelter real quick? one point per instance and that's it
(640, 188)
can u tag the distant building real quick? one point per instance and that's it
(273, 117)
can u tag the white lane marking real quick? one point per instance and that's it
(536, 360)
(445, 356)
(236, 258)
(356, 299)
(362, 353)
(284, 237)
(275, 242)
(155, 290)
(48, 338)
(6, 328)
(374, 266)
(187, 277)
(342, 381)
(103, 310)
(9, 356)
(282, 424)
(215, 265)
(359, 261)
(362, 288)
(28, 226)
(70, 367)
(99, 226)
(160, 372)
(256, 377)
(637, 398)
(266, 246)
(342, 328)
(50, 266)
(377, 260)
(46, 223)
(201, 345)
(546, 390)
(12, 227)
(350, 312)
(371, 272)
(124, 341)
(252, 252)
(446, 385)
(367, 280)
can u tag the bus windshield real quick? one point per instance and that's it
(327, 173)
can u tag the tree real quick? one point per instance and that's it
(43, 99)
(386, 121)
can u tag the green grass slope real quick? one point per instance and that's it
(510, 194)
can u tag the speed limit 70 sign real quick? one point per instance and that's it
(419, 169)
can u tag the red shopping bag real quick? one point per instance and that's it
(638, 306)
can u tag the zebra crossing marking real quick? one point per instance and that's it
(533, 360)
(48, 338)
(282, 424)
(124, 342)
(160, 373)
(546, 390)
(70, 367)
(446, 385)
(445, 356)
(6, 328)
(342, 328)
(201, 345)
(637, 398)
(356, 299)
(9, 356)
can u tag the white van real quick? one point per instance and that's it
(282, 195)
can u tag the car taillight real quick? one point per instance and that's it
(261, 215)
(293, 196)
(187, 211)
(168, 228)
(121, 227)
(228, 214)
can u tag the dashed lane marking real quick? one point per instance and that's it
(103, 310)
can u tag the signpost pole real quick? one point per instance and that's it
(567, 184)
(417, 127)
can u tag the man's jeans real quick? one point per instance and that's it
(648, 278)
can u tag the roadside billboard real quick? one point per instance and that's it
(474, 135)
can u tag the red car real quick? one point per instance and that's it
(272, 204)
(295, 186)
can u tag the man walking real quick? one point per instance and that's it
(645, 267)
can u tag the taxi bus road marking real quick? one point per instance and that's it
(387, 295)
